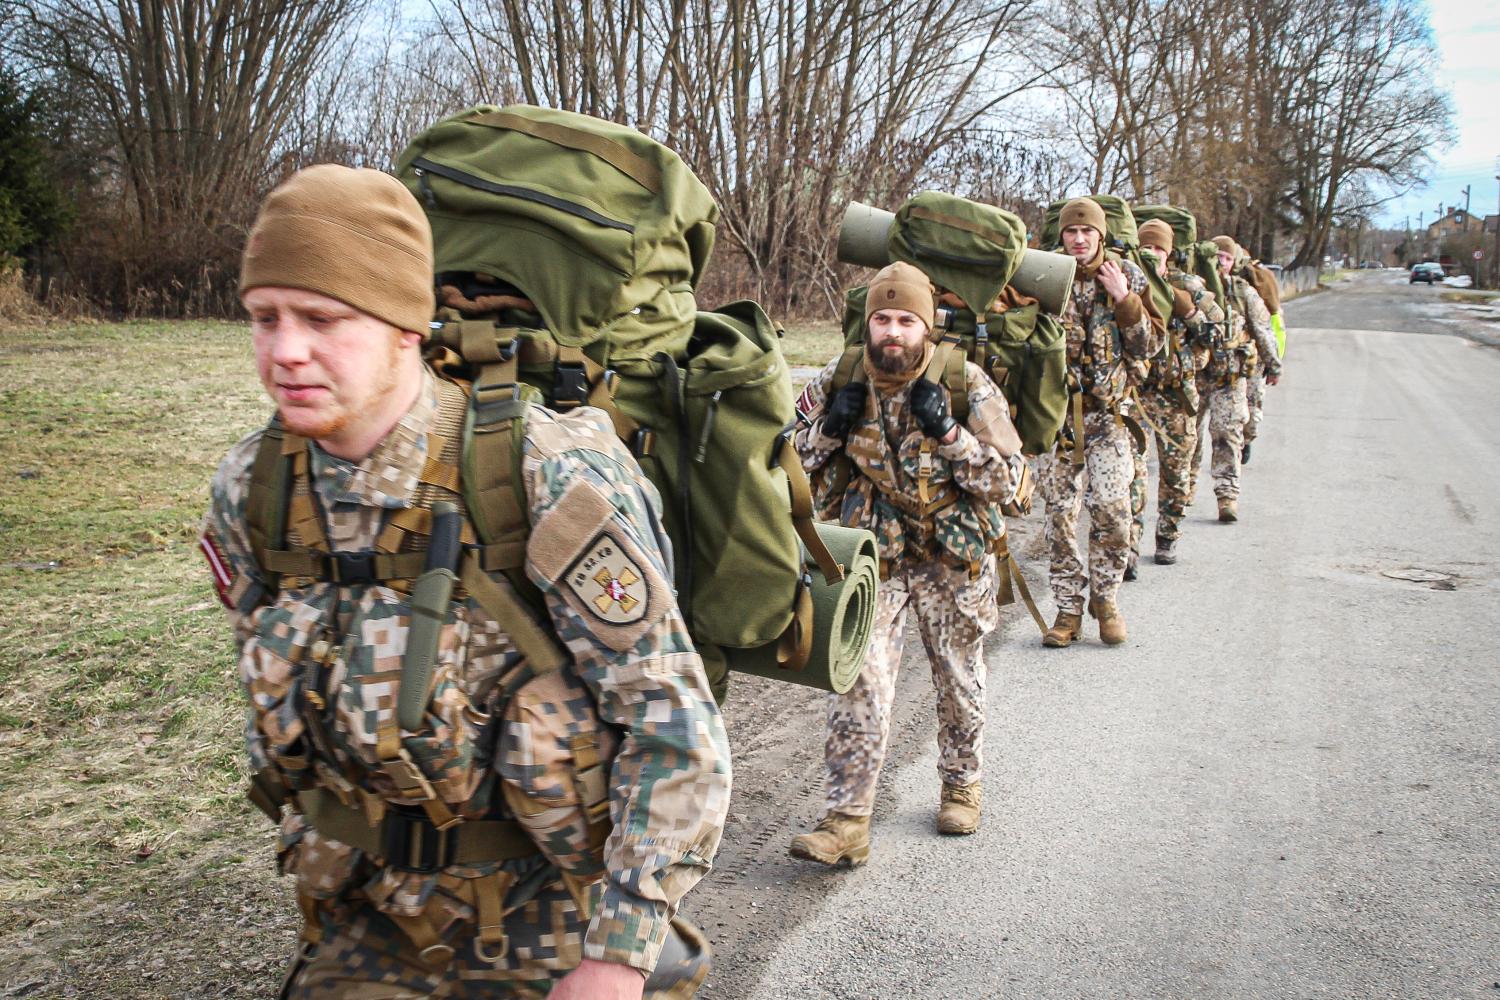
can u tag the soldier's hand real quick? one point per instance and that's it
(929, 405)
(845, 410)
(594, 980)
(1112, 277)
(1273, 377)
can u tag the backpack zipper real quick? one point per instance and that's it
(952, 258)
(422, 166)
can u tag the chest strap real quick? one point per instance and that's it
(410, 841)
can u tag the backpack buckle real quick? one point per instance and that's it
(354, 567)
(410, 842)
(571, 386)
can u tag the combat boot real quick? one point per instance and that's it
(958, 811)
(1064, 631)
(1166, 551)
(1245, 454)
(1111, 623)
(835, 839)
(1130, 571)
(1229, 511)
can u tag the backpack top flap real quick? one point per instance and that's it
(603, 227)
(969, 248)
(1184, 226)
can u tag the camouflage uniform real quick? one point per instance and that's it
(1102, 341)
(669, 784)
(1169, 395)
(1222, 384)
(936, 558)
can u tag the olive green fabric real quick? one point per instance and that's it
(606, 229)
(966, 247)
(1024, 349)
(844, 615)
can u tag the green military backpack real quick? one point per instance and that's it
(567, 249)
(973, 250)
(1122, 237)
(1195, 256)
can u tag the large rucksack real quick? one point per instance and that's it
(1195, 256)
(574, 245)
(1122, 237)
(972, 250)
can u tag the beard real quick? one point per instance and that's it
(898, 363)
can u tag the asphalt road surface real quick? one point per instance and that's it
(1286, 784)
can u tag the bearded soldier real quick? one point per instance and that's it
(1222, 383)
(888, 455)
(1169, 392)
(1109, 327)
(415, 850)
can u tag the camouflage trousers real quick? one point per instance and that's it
(1175, 431)
(1225, 410)
(1255, 400)
(1101, 484)
(954, 614)
(364, 956)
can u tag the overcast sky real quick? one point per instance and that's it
(1468, 40)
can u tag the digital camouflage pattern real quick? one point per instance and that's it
(586, 498)
(1105, 344)
(935, 560)
(954, 613)
(1166, 414)
(1255, 401)
(1102, 485)
(363, 954)
(1226, 388)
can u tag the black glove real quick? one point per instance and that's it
(930, 406)
(847, 407)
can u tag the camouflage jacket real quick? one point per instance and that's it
(1250, 333)
(1106, 340)
(965, 481)
(1189, 342)
(669, 788)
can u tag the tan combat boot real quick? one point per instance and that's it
(1064, 631)
(835, 839)
(1229, 511)
(958, 813)
(1111, 623)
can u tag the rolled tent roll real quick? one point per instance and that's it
(843, 615)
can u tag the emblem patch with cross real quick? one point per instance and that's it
(609, 582)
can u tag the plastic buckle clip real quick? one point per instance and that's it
(354, 567)
(571, 387)
(412, 844)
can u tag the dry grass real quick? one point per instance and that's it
(812, 344)
(119, 716)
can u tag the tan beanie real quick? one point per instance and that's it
(1226, 244)
(1083, 212)
(901, 286)
(354, 235)
(1156, 233)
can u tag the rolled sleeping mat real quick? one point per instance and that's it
(864, 235)
(843, 617)
(864, 238)
(1046, 277)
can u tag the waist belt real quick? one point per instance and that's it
(408, 840)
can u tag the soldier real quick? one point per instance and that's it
(889, 456)
(1109, 326)
(1169, 393)
(413, 875)
(1264, 284)
(1222, 381)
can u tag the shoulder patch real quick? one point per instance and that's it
(609, 582)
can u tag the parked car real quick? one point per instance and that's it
(1428, 272)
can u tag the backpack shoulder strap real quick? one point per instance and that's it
(850, 368)
(266, 499)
